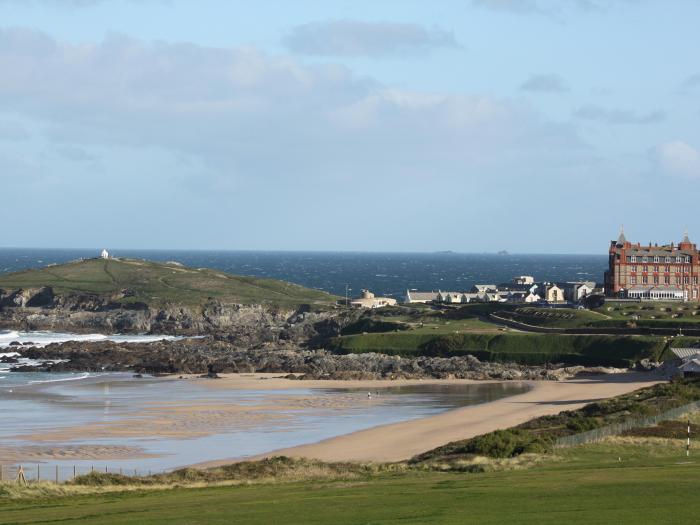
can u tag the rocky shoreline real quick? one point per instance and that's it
(41, 309)
(210, 356)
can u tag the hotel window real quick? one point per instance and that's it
(656, 268)
(679, 259)
(695, 280)
(634, 268)
(668, 259)
(633, 259)
(656, 279)
(645, 268)
(645, 279)
(656, 258)
(687, 259)
(644, 259)
(677, 280)
(667, 279)
(633, 280)
(667, 268)
(685, 269)
(686, 280)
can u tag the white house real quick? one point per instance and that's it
(104, 254)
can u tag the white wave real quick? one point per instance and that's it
(43, 338)
(82, 376)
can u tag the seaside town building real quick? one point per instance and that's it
(653, 272)
(104, 254)
(413, 296)
(368, 300)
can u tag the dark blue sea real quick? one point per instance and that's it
(388, 274)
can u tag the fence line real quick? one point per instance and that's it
(597, 434)
(35, 472)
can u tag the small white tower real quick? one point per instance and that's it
(104, 254)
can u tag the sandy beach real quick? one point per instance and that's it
(401, 441)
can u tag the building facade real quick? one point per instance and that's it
(653, 272)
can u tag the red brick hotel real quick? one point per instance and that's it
(663, 273)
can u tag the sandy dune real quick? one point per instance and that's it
(401, 441)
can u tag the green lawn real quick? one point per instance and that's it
(157, 283)
(519, 347)
(586, 485)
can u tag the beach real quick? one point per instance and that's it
(165, 423)
(401, 441)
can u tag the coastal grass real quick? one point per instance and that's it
(624, 482)
(131, 281)
(538, 435)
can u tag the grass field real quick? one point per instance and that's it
(616, 482)
(157, 284)
(532, 349)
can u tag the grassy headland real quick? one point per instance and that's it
(157, 284)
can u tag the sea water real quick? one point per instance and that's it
(388, 274)
(42, 338)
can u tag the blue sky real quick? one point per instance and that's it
(471, 125)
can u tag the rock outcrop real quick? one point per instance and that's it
(211, 356)
(247, 325)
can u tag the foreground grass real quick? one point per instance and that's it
(154, 283)
(604, 483)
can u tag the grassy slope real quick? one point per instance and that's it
(158, 284)
(587, 485)
(523, 348)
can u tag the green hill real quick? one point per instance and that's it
(157, 284)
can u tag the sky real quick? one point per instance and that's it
(534, 126)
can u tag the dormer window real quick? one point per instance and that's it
(644, 259)
(687, 259)
(668, 259)
(679, 259)
(656, 258)
(634, 259)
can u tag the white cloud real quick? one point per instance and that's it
(677, 159)
(351, 38)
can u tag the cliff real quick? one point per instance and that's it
(131, 296)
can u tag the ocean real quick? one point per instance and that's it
(388, 274)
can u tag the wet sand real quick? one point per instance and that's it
(401, 441)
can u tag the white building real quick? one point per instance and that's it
(412, 296)
(104, 254)
(368, 300)
(657, 293)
